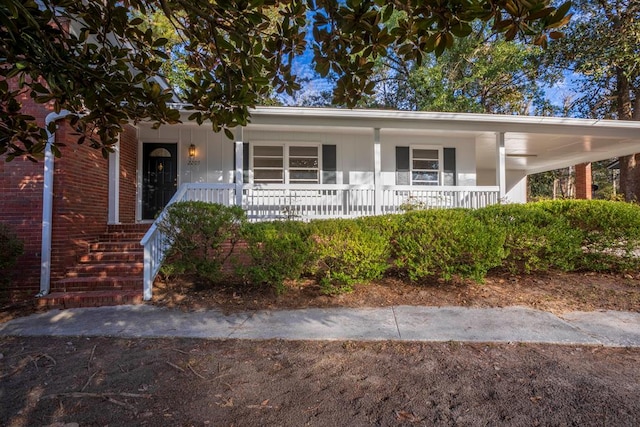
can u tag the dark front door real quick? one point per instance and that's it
(160, 177)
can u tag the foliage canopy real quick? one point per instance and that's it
(101, 62)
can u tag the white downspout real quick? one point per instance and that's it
(47, 204)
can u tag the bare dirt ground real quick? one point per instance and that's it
(117, 382)
(185, 382)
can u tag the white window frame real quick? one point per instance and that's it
(285, 160)
(252, 167)
(440, 163)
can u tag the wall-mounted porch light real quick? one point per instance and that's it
(192, 151)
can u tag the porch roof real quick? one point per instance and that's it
(533, 144)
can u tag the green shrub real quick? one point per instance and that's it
(535, 239)
(447, 243)
(278, 250)
(11, 248)
(349, 251)
(197, 232)
(611, 232)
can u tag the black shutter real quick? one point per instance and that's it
(403, 168)
(449, 161)
(245, 163)
(329, 164)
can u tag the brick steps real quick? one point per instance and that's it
(121, 246)
(90, 299)
(98, 257)
(110, 273)
(100, 270)
(121, 236)
(71, 284)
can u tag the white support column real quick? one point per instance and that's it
(501, 172)
(238, 166)
(114, 185)
(377, 171)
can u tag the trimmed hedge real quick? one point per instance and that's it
(535, 239)
(198, 233)
(610, 232)
(348, 251)
(421, 245)
(447, 243)
(279, 250)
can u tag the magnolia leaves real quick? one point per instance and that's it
(101, 60)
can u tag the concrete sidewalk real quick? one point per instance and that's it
(408, 323)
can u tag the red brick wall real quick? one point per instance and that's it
(128, 181)
(583, 181)
(21, 208)
(21, 183)
(80, 201)
(80, 205)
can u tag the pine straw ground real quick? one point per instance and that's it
(556, 292)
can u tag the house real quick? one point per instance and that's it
(82, 217)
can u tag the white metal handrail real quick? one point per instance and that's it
(155, 242)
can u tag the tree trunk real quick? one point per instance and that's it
(629, 165)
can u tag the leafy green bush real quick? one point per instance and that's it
(279, 250)
(349, 251)
(197, 232)
(10, 250)
(611, 232)
(447, 243)
(535, 239)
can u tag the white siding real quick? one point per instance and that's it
(516, 187)
(465, 154)
(214, 152)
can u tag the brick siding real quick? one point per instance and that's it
(128, 178)
(80, 202)
(583, 181)
(21, 185)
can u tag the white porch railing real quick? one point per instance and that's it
(301, 201)
(305, 202)
(155, 242)
(399, 198)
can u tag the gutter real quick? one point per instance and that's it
(47, 204)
